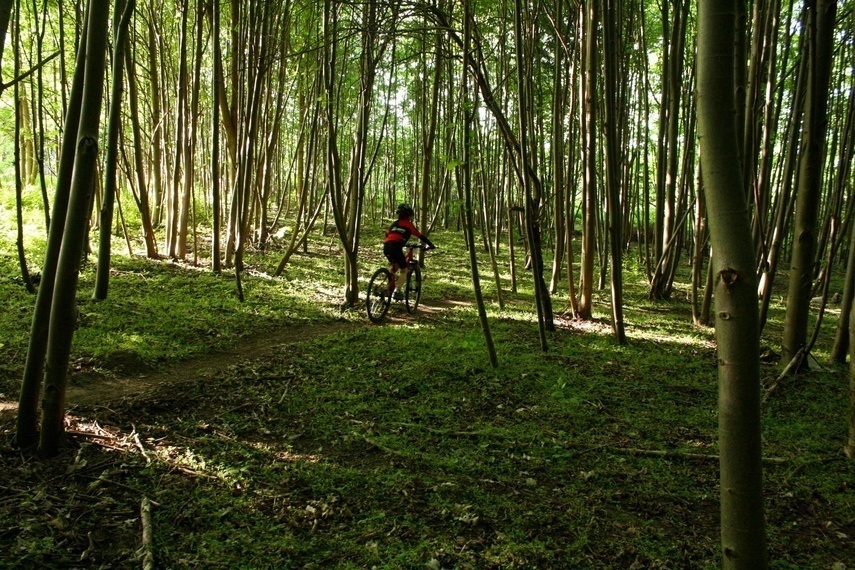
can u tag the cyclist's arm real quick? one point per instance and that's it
(425, 240)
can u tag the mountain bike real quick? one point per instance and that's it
(382, 286)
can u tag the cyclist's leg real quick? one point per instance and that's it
(399, 262)
(393, 252)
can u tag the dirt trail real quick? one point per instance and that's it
(101, 389)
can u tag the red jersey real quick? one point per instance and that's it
(400, 231)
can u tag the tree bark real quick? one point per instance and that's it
(558, 116)
(216, 81)
(613, 159)
(158, 121)
(743, 535)
(28, 402)
(821, 18)
(589, 159)
(469, 110)
(849, 448)
(63, 314)
(120, 33)
(143, 186)
(19, 183)
(5, 17)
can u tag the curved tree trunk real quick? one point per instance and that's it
(28, 402)
(63, 314)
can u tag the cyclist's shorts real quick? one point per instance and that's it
(394, 252)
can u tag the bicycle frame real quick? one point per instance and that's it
(379, 296)
(393, 268)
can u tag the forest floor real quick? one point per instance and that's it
(127, 377)
(328, 442)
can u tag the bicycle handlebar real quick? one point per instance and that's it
(418, 246)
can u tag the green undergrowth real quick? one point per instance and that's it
(158, 312)
(399, 446)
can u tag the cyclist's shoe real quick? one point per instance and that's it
(397, 295)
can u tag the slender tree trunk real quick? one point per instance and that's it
(158, 121)
(821, 25)
(39, 109)
(142, 198)
(216, 81)
(5, 17)
(189, 150)
(700, 246)
(121, 20)
(589, 186)
(28, 403)
(63, 314)
(613, 158)
(173, 207)
(19, 184)
(849, 448)
(743, 535)
(786, 202)
(532, 193)
(469, 111)
(558, 116)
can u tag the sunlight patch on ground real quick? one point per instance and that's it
(178, 457)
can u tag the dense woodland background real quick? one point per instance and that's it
(561, 137)
(255, 124)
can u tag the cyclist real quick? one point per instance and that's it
(396, 236)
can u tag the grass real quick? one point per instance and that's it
(398, 446)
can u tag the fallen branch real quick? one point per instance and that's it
(797, 360)
(187, 471)
(686, 455)
(141, 448)
(446, 431)
(381, 447)
(88, 434)
(147, 535)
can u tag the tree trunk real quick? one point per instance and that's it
(173, 206)
(743, 535)
(28, 403)
(469, 111)
(821, 18)
(158, 121)
(63, 313)
(613, 159)
(121, 19)
(19, 184)
(849, 448)
(142, 198)
(775, 237)
(589, 159)
(558, 116)
(216, 81)
(5, 17)
(189, 150)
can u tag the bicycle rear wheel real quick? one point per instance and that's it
(414, 288)
(379, 296)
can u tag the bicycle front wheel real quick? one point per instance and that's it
(379, 295)
(414, 289)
